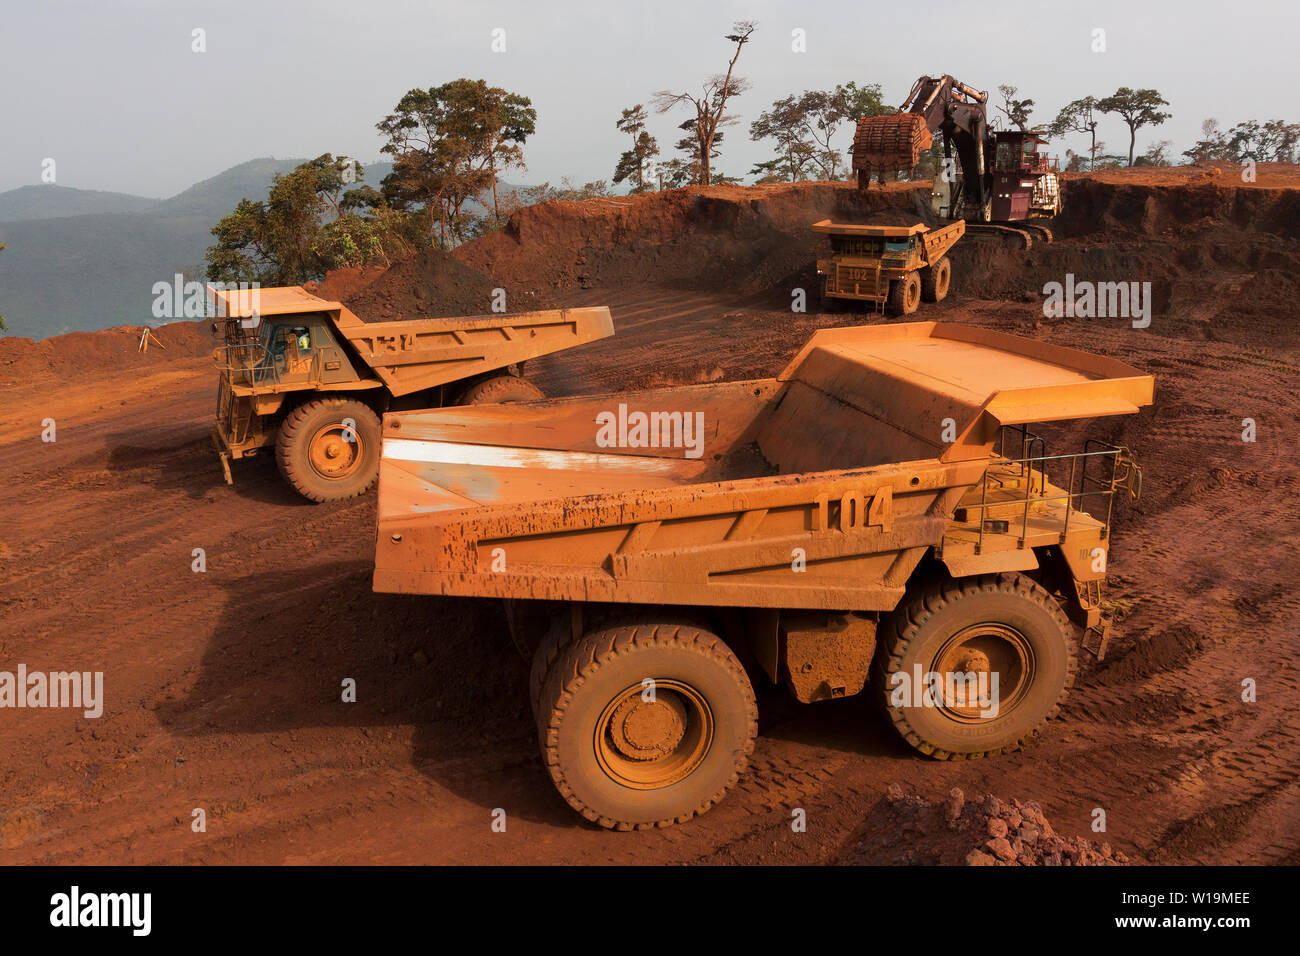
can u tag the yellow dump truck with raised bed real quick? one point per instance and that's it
(307, 376)
(894, 268)
(880, 514)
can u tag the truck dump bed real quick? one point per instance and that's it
(415, 354)
(706, 494)
(411, 355)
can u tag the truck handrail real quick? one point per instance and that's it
(1124, 475)
(251, 361)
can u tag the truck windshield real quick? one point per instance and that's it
(896, 245)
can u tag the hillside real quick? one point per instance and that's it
(51, 201)
(80, 260)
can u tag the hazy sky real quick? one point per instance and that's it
(112, 91)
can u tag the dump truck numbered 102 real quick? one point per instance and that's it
(879, 516)
(309, 378)
(892, 268)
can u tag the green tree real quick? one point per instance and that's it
(710, 104)
(856, 102)
(1274, 141)
(1016, 111)
(1078, 116)
(687, 170)
(1138, 108)
(274, 241)
(1212, 144)
(1157, 154)
(787, 122)
(632, 164)
(769, 171)
(449, 144)
(679, 172)
(1281, 140)
(825, 110)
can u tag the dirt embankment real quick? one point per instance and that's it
(1106, 206)
(745, 239)
(907, 829)
(109, 350)
(740, 238)
(1216, 255)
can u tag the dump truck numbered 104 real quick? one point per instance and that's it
(309, 378)
(829, 539)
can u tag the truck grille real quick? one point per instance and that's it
(857, 280)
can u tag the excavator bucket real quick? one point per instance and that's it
(890, 143)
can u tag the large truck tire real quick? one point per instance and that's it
(646, 725)
(905, 294)
(501, 388)
(996, 623)
(935, 280)
(328, 449)
(831, 303)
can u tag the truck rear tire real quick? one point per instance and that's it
(905, 294)
(317, 458)
(996, 623)
(501, 388)
(627, 762)
(935, 280)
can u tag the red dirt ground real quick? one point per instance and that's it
(223, 687)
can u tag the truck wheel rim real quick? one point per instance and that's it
(913, 294)
(331, 455)
(982, 650)
(650, 744)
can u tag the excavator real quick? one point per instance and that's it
(998, 177)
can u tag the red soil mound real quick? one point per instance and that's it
(433, 283)
(905, 829)
(106, 350)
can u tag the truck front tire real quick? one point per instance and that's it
(935, 280)
(997, 623)
(328, 449)
(646, 725)
(905, 294)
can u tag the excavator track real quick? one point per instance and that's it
(1041, 233)
(996, 229)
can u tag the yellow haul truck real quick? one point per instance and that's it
(878, 515)
(310, 378)
(894, 268)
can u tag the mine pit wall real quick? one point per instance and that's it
(726, 237)
(1153, 210)
(1191, 241)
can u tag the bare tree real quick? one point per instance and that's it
(711, 104)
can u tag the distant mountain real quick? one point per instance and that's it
(49, 201)
(218, 196)
(68, 271)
